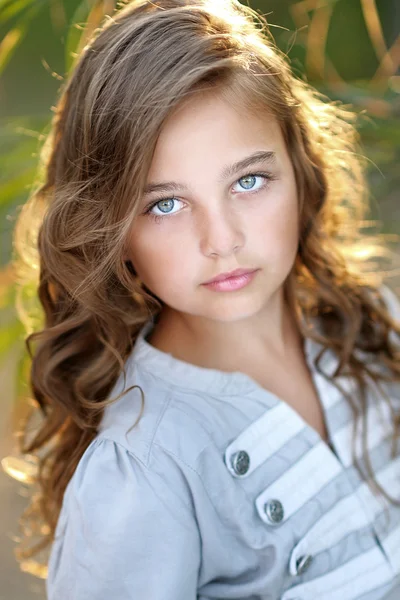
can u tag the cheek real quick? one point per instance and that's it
(278, 227)
(159, 258)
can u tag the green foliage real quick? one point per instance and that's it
(20, 141)
(16, 16)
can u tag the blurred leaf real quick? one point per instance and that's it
(20, 144)
(86, 18)
(16, 188)
(21, 468)
(75, 32)
(7, 287)
(9, 43)
(11, 332)
(22, 379)
(14, 36)
(10, 9)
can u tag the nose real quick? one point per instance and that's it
(220, 231)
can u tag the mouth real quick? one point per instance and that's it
(225, 276)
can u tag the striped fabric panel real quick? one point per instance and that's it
(265, 436)
(379, 426)
(391, 545)
(276, 427)
(349, 515)
(302, 481)
(369, 571)
(345, 517)
(329, 394)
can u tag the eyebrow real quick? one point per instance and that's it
(227, 172)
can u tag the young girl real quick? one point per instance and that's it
(218, 371)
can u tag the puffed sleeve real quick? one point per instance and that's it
(126, 531)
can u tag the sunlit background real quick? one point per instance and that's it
(349, 49)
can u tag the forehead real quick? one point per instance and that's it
(206, 129)
(208, 109)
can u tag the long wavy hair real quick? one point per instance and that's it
(73, 229)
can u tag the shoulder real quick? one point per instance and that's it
(110, 471)
(118, 512)
(153, 413)
(183, 435)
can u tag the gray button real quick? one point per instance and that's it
(274, 511)
(302, 563)
(240, 462)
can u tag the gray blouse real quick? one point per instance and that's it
(222, 491)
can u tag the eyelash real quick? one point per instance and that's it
(268, 177)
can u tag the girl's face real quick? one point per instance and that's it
(214, 218)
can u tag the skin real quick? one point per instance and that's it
(217, 226)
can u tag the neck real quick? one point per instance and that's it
(270, 338)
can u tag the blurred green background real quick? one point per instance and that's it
(348, 49)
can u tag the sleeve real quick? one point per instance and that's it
(125, 531)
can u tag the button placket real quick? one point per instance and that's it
(301, 482)
(262, 439)
(350, 581)
(343, 518)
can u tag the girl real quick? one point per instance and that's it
(218, 372)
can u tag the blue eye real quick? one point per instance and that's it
(250, 181)
(167, 203)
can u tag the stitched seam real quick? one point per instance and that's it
(146, 467)
(211, 444)
(166, 405)
(160, 417)
(194, 471)
(200, 478)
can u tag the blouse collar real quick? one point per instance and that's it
(187, 375)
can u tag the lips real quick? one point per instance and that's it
(235, 273)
